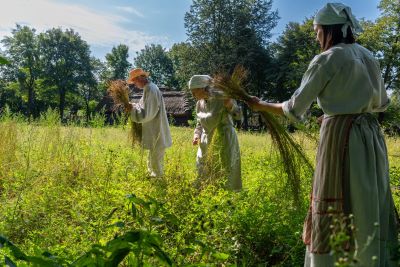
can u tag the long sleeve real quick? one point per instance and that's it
(345, 79)
(313, 82)
(147, 108)
(236, 111)
(382, 102)
(380, 99)
(198, 130)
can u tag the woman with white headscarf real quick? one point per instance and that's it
(352, 173)
(215, 115)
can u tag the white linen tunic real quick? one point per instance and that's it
(156, 136)
(212, 116)
(150, 111)
(346, 79)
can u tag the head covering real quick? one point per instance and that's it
(337, 13)
(134, 73)
(199, 81)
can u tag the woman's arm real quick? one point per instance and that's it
(147, 109)
(257, 105)
(199, 129)
(233, 108)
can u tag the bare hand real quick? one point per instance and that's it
(320, 119)
(128, 107)
(255, 103)
(254, 99)
(195, 140)
(228, 103)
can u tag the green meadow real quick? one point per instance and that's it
(74, 196)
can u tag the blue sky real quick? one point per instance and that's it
(104, 24)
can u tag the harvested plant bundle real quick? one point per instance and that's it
(119, 92)
(291, 153)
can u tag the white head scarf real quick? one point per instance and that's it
(337, 13)
(199, 81)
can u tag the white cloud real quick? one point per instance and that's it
(98, 29)
(130, 10)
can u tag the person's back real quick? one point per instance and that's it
(351, 174)
(354, 83)
(156, 133)
(150, 111)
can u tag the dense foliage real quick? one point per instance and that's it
(80, 196)
(74, 196)
(54, 68)
(64, 191)
(155, 59)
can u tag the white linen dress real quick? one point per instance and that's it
(213, 118)
(156, 136)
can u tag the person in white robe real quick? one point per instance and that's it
(352, 172)
(215, 114)
(150, 112)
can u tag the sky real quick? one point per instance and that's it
(104, 24)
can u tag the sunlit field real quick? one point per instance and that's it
(76, 192)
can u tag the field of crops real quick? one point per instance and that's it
(73, 195)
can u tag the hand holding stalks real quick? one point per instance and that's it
(195, 140)
(128, 107)
(119, 92)
(228, 103)
(254, 103)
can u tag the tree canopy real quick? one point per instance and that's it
(117, 62)
(154, 58)
(55, 68)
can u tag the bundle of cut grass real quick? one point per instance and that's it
(291, 153)
(119, 92)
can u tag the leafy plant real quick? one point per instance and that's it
(3, 61)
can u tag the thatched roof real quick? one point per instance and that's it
(177, 103)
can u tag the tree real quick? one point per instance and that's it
(22, 49)
(224, 32)
(92, 91)
(154, 58)
(66, 62)
(182, 55)
(117, 62)
(383, 39)
(3, 61)
(89, 93)
(293, 50)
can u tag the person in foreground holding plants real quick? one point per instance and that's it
(215, 114)
(352, 173)
(150, 111)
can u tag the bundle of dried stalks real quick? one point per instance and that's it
(291, 153)
(119, 92)
(135, 134)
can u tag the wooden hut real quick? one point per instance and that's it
(177, 104)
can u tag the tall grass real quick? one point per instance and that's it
(64, 189)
